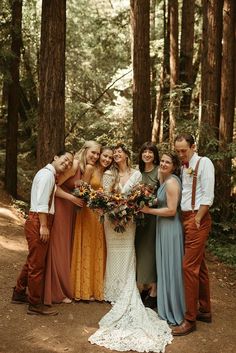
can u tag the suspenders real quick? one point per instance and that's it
(194, 186)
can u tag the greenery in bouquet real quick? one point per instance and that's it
(120, 216)
(82, 190)
(99, 201)
(141, 195)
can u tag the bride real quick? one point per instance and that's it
(128, 325)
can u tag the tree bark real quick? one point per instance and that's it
(186, 56)
(211, 72)
(140, 11)
(174, 67)
(13, 100)
(228, 88)
(51, 125)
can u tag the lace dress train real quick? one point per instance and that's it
(128, 325)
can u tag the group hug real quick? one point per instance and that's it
(154, 273)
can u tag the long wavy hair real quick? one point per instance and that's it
(81, 155)
(175, 160)
(115, 168)
(148, 146)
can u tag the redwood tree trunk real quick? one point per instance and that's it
(13, 101)
(140, 10)
(228, 88)
(186, 55)
(174, 66)
(211, 70)
(51, 132)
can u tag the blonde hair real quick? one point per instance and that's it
(81, 155)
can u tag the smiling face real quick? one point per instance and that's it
(106, 158)
(184, 150)
(148, 156)
(92, 155)
(119, 155)
(63, 162)
(166, 165)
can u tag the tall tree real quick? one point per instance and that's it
(186, 55)
(51, 125)
(160, 132)
(228, 88)
(211, 69)
(174, 66)
(13, 100)
(140, 10)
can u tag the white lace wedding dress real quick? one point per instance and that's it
(128, 325)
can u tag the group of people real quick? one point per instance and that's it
(159, 264)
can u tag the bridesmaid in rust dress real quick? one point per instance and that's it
(57, 276)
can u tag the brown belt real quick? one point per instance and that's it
(186, 213)
(35, 214)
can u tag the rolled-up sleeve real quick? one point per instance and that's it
(44, 191)
(207, 182)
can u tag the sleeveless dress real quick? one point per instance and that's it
(89, 253)
(170, 250)
(128, 325)
(145, 239)
(57, 273)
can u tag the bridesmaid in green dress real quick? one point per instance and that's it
(145, 238)
(169, 245)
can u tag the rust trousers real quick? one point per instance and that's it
(196, 279)
(32, 274)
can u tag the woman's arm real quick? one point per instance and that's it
(172, 195)
(67, 196)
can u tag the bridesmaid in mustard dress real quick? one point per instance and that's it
(89, 249)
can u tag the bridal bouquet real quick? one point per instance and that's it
(119, 209)
(119, 213)
(140, 196)
(82, 190)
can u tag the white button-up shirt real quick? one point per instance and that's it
(205, 183)
(43, 188)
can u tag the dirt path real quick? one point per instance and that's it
(69, 331)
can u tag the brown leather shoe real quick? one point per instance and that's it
(19, 297)
(205, 317)
(184, 329)
(40, 309)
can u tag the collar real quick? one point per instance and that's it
(193, 159)
(51, 168)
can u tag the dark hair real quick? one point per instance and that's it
(148, 146)
(175, 160)
(123, 147)
(187, 137)
(62, 153)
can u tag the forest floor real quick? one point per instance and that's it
(69, 331)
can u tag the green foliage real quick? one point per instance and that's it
(223, 249)
(98, 48)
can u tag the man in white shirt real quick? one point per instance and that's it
(37, 231)
(198, 179)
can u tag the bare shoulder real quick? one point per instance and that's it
(89, 168)
(172, 183)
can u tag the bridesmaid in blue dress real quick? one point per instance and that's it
(169, 241)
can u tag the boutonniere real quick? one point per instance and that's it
(189, 171)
